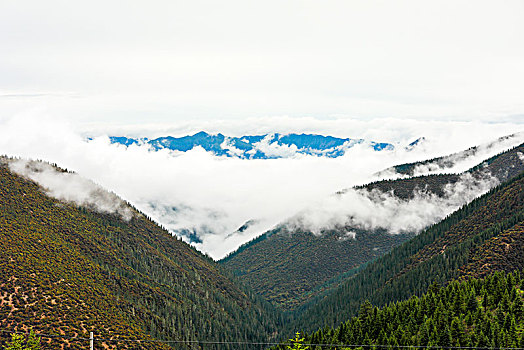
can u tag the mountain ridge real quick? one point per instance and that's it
(68, 269)
(291, 253)
(456, 247)
(265, 146)
(447, 162)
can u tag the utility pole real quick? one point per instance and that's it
(91, 341)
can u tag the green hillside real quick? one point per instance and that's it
(484, 313)
(303, 265)
(293, 269)
(480, 238)
(68, 270)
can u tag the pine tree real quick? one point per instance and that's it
(18, 342)
(457, 332)
(518, 309)
(297, 343)
(472, 303)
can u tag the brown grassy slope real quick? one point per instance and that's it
(504, 252)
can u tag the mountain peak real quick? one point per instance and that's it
(200, 134)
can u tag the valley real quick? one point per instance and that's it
(261, 175)
(71, 269)
(316, 260)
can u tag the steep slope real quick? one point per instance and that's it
(504, 252)
(68, 270)
(291, 267)
(449, 161)
(469, 242)
(477, 313)
(502, 166)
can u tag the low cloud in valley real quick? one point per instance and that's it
(212, 197)
(372, 210)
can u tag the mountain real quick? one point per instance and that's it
(480, 238)
(502, 166)
(447, 162)
(412, 145)
(288, 268)
(292, 266)
(267, 146)
(67, 269)
(483, 313)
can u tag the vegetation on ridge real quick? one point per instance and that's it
(319, 264)
(443, 252)
(69, 270)
(475, 313)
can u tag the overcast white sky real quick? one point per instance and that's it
(172, 61)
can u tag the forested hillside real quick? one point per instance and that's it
(302, 265)
(291, 268)
(449, 161)
(68, 270)
(468, 243)
(480, 313)
(503, 166)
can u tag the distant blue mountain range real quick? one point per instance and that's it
(269, 146)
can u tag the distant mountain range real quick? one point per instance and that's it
(267, 146)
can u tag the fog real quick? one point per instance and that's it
(215, 196)
(71, 187)
(374, 210)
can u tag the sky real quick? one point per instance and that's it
(165, 62)
(385, 71)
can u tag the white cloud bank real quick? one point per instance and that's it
(215, 196)
(377, 210)
(460, 161)
(71, 187)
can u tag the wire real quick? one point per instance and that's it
(207, 342)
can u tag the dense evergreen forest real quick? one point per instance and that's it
(468, 243)
(68, 270)
(485, 313)
(294, 268)
(291, 268)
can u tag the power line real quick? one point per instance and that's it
(210, 342)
